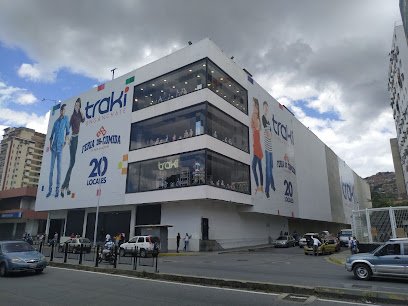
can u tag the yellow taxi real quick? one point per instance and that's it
(328, 246)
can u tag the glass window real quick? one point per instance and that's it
(189, 122)
(188, 169)
(172, 85)
(227, 173)
(181, 124)
(225, 128)
(141, 239)
(174, 171)
(228, 89)
(196, 76)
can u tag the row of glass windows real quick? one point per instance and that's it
(188, 122)
(196, 76)
(203, 167)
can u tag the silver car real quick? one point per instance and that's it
(19, 256)
(390, 259)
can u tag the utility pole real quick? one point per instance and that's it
(113, 72)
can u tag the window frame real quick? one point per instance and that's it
(207, 60)
(206, 112)
(205, 167)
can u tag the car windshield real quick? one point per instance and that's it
(13, 247)
(377, 249)
(282, 238)
(84, 240)
(346, 233)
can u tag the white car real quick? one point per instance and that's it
(306, 237)
(143, 244)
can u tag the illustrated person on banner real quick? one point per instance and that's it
(58, 139)
(268, 149)
(77, 118)
(258, 155)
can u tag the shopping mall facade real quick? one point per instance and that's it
(191, 144)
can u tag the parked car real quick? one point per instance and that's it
(285, 242)
(19, 256)
(74, 245)
(344, 236)
(306, 237)
(328, 246)
(390, 259)
(145, 245)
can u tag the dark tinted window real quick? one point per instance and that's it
(227, 173)
(405, 248)
(13, 247)
(225, 128)
(170, 127)
(172, 85)
(189, 122)
(226, 87)
(196, 76)
(188, 169)
(141, 239)
(174, 171)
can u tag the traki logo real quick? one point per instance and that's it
(106, 104)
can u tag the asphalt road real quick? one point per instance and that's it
(58, 286)
(282, 266)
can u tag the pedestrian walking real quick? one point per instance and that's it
(316, 243)
(350, 241)
(354, 246)
(178, 241)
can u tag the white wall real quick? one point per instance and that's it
(312, 180)
(227, 224)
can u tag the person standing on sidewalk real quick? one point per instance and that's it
(178, 241)
(186, 241)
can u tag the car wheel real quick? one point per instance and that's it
(122, 253)
(3, 270)
(143, 253)
(362, 271)
(39, 271)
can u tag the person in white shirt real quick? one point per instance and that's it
(107, 237)
(316, 243)
(186, 241)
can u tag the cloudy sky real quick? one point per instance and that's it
(325, 60)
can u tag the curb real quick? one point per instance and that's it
(321, 292)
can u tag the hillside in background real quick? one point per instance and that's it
(384, 190)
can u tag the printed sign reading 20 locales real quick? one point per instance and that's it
(98, 171)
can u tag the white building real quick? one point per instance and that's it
(397, 87)
(176, 146)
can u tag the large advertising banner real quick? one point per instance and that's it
(85, 154)
(273, 168)
(347, 190)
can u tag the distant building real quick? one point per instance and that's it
(399, 176)
(398, 90)
(403, 5)
(21, 154)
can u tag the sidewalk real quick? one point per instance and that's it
(339, 258)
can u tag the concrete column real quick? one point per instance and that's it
(393, 223)
(370, 236)
(47, 227)
(65, 224)
(132, 221)
(85, 223)
(14, 230)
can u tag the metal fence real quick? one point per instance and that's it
(93, 257)
(380, 224)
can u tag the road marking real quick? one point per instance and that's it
(203, 286)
